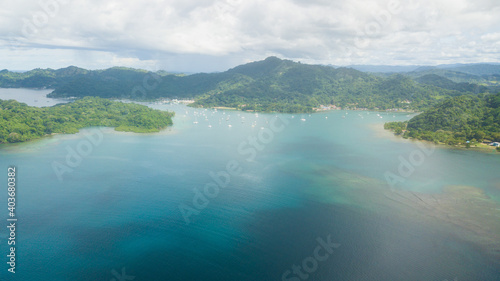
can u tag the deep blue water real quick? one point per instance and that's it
(119, 209)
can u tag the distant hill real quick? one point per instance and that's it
(445, 83)
(477, 69)
(458, 77)
(492, 81)
(384, 68)
(484, 74)
(272, 84)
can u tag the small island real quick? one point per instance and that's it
(20, 122)
(462, 121)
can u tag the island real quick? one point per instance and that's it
(20, 122)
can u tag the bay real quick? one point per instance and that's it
(117, 209)
(31, 97)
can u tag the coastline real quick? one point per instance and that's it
(113, 129)
(481, 147)
(313, 110)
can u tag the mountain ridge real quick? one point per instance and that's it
(272, 84)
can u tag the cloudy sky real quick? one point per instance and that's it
(214, 35)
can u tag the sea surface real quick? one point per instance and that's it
(30, 97)
(257, 200)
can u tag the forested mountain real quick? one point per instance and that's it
(455, 121)
(269, 85)
(39, 78)
(282, 85)
(20, 122)
(492, 81)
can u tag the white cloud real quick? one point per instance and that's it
(221, 33)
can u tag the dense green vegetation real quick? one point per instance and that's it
(39, 78)
(490, 80)
(456, 108)
(269, 85)
(397, 127)
(455, 121)
(286, 86)
(19, 122)
(445, 83)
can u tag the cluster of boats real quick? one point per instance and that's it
(225, 117)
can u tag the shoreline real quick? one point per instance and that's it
(48, 136)
(481, 147)
(314, 110)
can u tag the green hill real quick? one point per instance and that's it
(39, 78)
(286, 86)
(20, 122)
(445, 83)
(455, 121)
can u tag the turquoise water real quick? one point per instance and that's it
(118, 210)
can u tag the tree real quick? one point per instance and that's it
(479, 135)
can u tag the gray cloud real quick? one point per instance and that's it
(212, 35)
